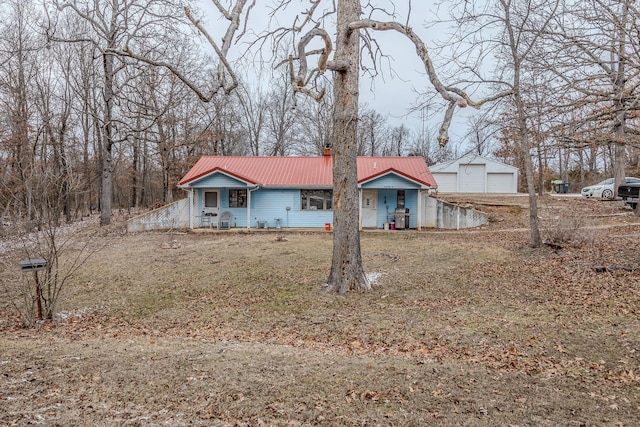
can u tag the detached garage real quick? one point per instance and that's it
(475, 174)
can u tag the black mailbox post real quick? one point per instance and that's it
(34, 265)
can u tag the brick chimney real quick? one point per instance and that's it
(327, 150)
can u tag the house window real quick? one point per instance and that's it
(210, 199)
(237, 198)
(316, 200)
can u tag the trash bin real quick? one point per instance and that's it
(560, 187)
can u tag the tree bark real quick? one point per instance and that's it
(347, 272)
(107, 142)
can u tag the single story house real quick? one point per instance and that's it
(297, 191)
(475, 174)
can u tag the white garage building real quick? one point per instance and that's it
(475, 174)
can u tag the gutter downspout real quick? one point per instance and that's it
(249, 190)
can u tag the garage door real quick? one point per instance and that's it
(471, 178)
(446, 182)
(500, 183)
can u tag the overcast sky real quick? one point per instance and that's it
(393, 92)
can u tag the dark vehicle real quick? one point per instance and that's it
(629, 193)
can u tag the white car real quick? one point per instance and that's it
(604, 189)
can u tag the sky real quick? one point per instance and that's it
(393, 92)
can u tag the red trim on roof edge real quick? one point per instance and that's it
(397, 172)
(214, 170)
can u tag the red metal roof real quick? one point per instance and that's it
(305, 172)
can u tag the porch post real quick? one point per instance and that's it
(191, 209)
(360, 209)
(248, 208)
(419, 213)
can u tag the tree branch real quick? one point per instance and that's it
(226, 44)
(455, 96)
(303, 76)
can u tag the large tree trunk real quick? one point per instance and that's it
(107, 142)
(346, 266)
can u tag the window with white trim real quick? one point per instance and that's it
(237, 198)
(316, 200)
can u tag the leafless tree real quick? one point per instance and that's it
(399, 139)
(346, 268)
(36, 297)
(315, 120)
(371, 132)
(518, 27)
(344, 63)
(112, 27)
(253, 115)
(19, 50)
(281, 118)
(594, 55)
(425, 145)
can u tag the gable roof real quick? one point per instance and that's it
(470, 158)
(304, 172)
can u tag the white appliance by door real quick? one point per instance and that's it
(369, 208)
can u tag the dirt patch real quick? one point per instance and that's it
(463, 328)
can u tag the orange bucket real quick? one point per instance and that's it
(327, 226)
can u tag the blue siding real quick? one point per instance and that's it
(218, 180)
(391, 181)
(268, 204)
(410, 202)
(385, 208)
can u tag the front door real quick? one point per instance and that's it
(211, 203)
(369, 208)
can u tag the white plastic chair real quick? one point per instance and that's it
(225, 220)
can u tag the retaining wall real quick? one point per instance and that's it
(172, 216)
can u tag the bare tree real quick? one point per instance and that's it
(399, 138)
(19, 46)
(41, 237)
(371, 132)
(282, 120)
(594, 55)
(253, 115)
(523, 24)
(113, 26)
(315, 120)
(518, 27)
(344, 63)
(346, 268)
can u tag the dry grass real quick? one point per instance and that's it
(463, 328)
